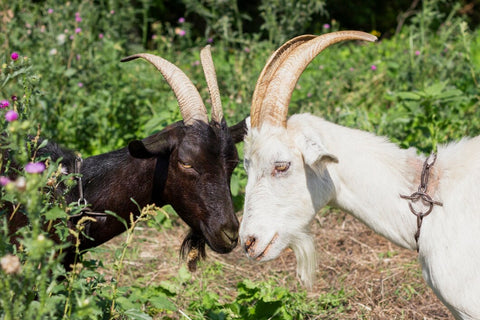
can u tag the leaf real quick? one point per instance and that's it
(137, 314)
(405, 95)
(435, 89)
(184, 274)
(69, 72)
(161, 302)
(55, 213)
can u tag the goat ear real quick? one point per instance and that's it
(314, 152)
(155, 145)
(239, 130)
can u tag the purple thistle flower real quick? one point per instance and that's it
(326, 26)
(78, 19)
(80, 84)
(11, 115)
(417, 53)
(50, 11)
(78, 30)
(373, 67)
(35, 167)
(210, 40)
(4, 181)
(14, 98)
(181, 20)
(182, 33)
(4, 104)
(14, 56)
(101, 36)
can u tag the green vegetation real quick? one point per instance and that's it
(60, 75)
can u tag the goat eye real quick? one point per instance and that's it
(185, 165)
(281, 167)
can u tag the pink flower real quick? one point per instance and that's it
(35, 167)
(78, 19)
(4, 104)
(112, 11)
(181, 20)
(14, 56)
(209, 40)
(417, 53)
(180, 32)
(4, 181)
(50, 11)
(80, 84)
(101, 35)
(326, 26)
(246, 49)
(11, 115)
(14, 98)
(373, 67)
(78, 30)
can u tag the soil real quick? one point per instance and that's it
(382, 281)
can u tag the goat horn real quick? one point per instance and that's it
(273, 108)
(188, 97)
(275, 60)
(211, 77)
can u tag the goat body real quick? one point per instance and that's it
(365, 175)
(187, 164)
(298, 166)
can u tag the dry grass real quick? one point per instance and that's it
(381, 280)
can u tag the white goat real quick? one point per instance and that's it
(295, 168)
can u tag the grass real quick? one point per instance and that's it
(360, 276)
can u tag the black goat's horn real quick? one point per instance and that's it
(189, 99)
(211, 77)
(280, 75)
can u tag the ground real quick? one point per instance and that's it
(382, 281)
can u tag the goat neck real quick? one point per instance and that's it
(368, 176)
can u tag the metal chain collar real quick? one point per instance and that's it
(81, 200)
(423, 195)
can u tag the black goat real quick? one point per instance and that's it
(187, 165)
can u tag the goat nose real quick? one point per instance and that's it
(250, 244)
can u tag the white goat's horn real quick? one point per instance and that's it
(274, 106)
(189, 99)
(211, 77)
(275, 60)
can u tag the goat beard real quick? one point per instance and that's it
(192, 249)
(303, 245)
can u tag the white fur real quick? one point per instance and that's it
(365, 175)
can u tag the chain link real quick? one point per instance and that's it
(423, 195)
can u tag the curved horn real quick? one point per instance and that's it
(274, 106)
(189, 99)
(211, 77)
(275, 60)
